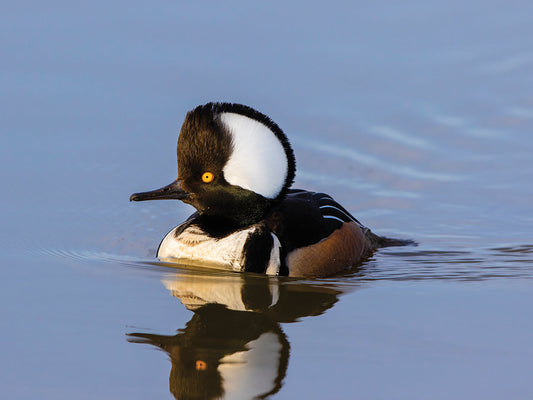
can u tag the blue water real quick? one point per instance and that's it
(416, 116)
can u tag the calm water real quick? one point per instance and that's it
(417, 116)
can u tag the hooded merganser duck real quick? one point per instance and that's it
(236, 166)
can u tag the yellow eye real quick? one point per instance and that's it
(207, 177)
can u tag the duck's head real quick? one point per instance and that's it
(234, 163)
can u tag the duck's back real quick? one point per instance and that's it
(320, 236)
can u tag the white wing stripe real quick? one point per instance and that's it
(332, 217)
(339, 210)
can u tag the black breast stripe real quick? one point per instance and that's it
(257, 249)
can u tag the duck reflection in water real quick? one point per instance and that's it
(233, 347)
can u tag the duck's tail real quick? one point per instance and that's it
(381, 241)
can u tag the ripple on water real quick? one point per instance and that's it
(390, 167)
(397, 264)
(459, 265)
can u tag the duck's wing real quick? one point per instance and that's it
(309, 217)
(320, 237)
(330, 209)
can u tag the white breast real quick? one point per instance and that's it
(193, 244)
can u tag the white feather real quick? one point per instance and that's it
(252, 373)
(193, 245)
(275, 257)
(258, 161)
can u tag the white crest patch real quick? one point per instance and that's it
(258, 162)
(252, 373)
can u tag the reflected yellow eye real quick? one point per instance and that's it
(201, 365)
(207, 177)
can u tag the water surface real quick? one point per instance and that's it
(417, 117)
